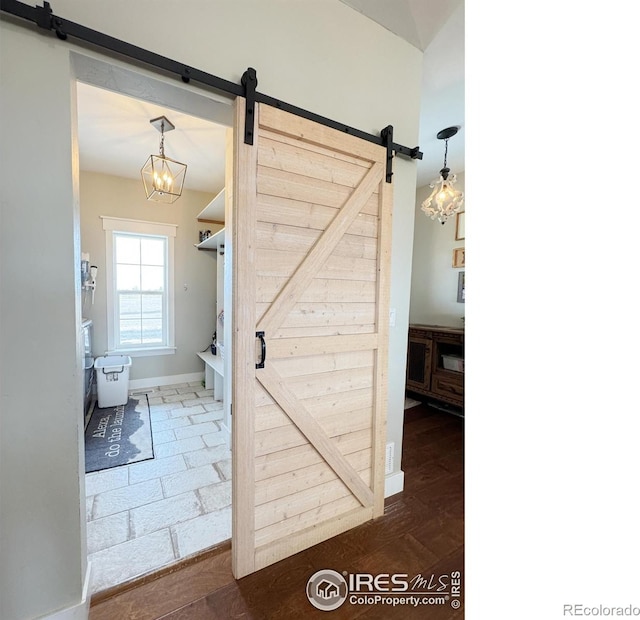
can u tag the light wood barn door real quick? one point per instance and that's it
(311, 250)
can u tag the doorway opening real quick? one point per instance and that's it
(146, 515)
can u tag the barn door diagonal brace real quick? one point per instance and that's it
(44, 18)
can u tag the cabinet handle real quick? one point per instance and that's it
(263, 351)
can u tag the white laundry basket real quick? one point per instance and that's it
(113, 380)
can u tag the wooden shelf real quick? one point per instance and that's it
(214, 242)
(214, 211)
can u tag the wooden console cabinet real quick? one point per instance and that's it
(430, 349)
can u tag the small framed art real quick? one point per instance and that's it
(459, 226)
(461, 287)
(458, 257)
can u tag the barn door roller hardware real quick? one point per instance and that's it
(44, 18)
(249, 82)
(387, 137)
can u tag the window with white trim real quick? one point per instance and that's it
(139, 280)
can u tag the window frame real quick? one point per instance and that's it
(112, 226)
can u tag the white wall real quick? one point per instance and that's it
(42, 523)
(434, 282)
(322, 56)
(195, 308)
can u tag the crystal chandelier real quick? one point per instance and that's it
(162, 176)
(444, 200)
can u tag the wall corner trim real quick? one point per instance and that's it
(79, 611)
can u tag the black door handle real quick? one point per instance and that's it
(263, 347)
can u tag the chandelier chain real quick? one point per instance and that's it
(446, 148)
(162, 139)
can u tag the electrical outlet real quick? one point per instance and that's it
(388, 463)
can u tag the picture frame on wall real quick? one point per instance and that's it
(458, 257)
(460, 226)
(461, 287)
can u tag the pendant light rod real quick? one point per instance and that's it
(44, 17)
(162, 124)
(445, 134)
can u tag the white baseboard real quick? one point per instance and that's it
(394, 483)
(136, 384)
(80, 611)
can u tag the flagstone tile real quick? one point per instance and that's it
(155, 468)
(163, 437)
(107, 531)
(209, 416)
(178, 447)
(157, 415)
(171, 423)
(207, 455)
(89, 506)
(166, 391)
(152, 512)
(214, 439)
(127, 497)
(224, 467)
(175, 398)
(165, 407)
(204, 393)
(130, 559)
(195, 429)
(215, 496)
(189, 480)
(186, 411)
(163, 513)
(202, 532)
(214, 406)
(197, 401)
(106, 480)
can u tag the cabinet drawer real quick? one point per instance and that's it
(452, 387)
(457, 339)
(419, 333)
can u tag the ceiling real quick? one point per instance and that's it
(115, 136)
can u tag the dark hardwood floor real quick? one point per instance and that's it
(421, 532)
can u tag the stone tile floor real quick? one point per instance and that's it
(146, 515)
